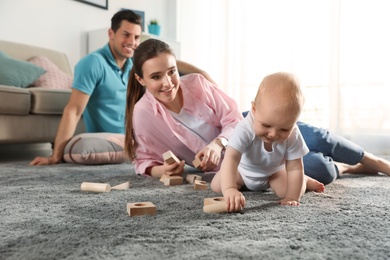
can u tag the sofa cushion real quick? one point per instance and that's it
(14, 101)
(96, 148)
(48, 101)
(53, 78)
(18, 73)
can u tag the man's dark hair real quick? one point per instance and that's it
(127, 15)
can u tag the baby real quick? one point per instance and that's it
(266, 148)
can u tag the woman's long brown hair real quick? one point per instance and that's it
(148, 49)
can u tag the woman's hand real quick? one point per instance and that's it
(174, 168)
(210, 156)
(234, 200)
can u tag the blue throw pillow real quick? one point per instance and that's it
(18, 73)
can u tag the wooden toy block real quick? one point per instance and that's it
(215, 208)
(95, 187)
(122, 186)
(190, 178)
(103, 187)
(208, 201)
(163, 178)
(200, 185)
(141, 208)
(173, 180)
(170, 158)
(196, 162)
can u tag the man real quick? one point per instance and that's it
(100, 85)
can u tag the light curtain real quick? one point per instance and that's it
(338, 48)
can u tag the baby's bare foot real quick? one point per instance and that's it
(314, 185)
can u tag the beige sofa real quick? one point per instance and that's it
(32, 115)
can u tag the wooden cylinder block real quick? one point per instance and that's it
(95, 187)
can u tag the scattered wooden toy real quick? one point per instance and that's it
(190, 178)
(170, 158)
(196, 162)
(215, 208)
(123, 186)
(214, 205)
(103, 187)
(173, 180)
(200, 185)
(141, 208)
(163, 178)
(208, 201)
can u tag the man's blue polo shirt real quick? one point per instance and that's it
(98, 76)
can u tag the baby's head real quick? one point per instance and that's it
(278, 104)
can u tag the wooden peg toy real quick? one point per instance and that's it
(170, 158)
(190, 178)
(200, 185)
(196, 162)
(95, 187)
(215, 208)
(141, 208)
(122, 186)
(163, 178)
(173, 180)
(103, 187)
(208, 201)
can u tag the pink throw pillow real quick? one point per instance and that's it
(96, 148)
(53, 78)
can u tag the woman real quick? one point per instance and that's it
(188, 115)
(193, 118)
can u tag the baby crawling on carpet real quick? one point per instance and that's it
(266, 148)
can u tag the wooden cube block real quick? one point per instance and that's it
(208, 201)
(196, 162)
(190, 178)
(141, 208)
(200, 185)
(173, 180)
(170, 158)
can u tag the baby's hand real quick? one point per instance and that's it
(234, 200)
(288, 202)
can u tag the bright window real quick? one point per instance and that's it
(338, 48)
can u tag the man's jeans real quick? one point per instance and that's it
(326, 148)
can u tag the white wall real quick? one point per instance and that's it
(63, 24)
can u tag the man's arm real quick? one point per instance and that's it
(186, 68)
(71, 116)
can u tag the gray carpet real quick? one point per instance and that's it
(44, 215)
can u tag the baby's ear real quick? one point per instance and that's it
(253, 109)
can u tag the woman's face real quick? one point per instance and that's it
(161, 78)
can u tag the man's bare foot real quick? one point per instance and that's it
(314, 185)
(357, 169)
